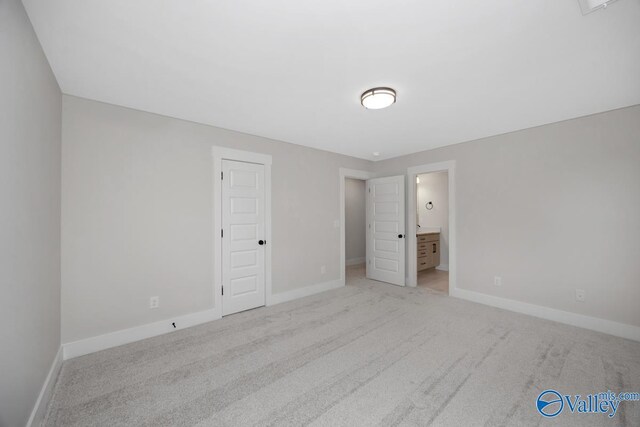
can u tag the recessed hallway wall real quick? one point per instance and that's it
(355, 221)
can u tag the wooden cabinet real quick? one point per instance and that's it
(428, 250)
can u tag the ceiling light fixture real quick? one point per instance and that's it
(377, 98)
(589, 6)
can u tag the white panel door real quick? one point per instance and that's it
(385, 230)
(243, 238)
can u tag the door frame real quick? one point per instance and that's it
(343, 174)
(412, 252)
(219, 154)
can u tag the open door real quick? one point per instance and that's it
(385, 230)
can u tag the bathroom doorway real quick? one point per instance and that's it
(432, 233)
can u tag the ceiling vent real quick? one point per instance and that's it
(589, 6)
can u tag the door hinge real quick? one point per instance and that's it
(223, 290)
(221, 175)
(221, 233)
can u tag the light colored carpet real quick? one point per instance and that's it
(366, 354)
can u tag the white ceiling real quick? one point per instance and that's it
(293, 70)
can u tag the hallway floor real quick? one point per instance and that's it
(436, 280)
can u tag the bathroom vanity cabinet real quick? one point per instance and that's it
(428, 250)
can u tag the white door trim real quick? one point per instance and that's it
(345, 173)
(412, 267)
(223, 153)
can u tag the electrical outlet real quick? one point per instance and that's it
(336, 223)
(581, 295)
(323, 269)
(154, 302)
(497, 280)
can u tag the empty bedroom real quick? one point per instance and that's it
(323, 213)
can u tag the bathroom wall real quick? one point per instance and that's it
(434, 187)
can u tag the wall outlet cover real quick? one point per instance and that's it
(497, 280)
(154, 302)
(581, 295)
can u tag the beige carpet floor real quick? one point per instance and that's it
(365, 354)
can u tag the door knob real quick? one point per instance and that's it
(400, 236)
(262, 242)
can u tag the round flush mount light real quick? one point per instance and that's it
(377, 98)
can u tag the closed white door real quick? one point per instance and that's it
(243, 236)
(385, 230)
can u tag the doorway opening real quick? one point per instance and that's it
(448, 264)
(355, 227)
(355, 273)
(432, 234)
(385, 226)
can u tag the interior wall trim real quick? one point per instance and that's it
(137, 333)
(40, 408)
(610, 327)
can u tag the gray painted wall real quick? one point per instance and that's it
(355, 220)
(137, 215)
(30, 117)
(550, 209)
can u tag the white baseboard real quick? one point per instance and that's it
(443, 267)
(593, 323)
(40, 408)
(305, 292)
(126, 336)
(355, 261)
